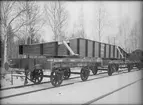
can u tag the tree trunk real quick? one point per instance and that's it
(5, 49)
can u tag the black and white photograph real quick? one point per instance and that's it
(71, 52)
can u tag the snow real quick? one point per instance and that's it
(128, 95)
(77, 93)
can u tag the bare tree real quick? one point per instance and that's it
(124, 30)
(9, 22)
(134, 35)
(81, 29)
(102, 20)
(56, 17)
(32, 18)
(78, 31)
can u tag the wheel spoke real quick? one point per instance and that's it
(56, 77)
(84, 74)
(36, 76)
(67, 73)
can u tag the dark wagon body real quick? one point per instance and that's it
(56, 57)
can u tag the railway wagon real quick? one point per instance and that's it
(60, 57)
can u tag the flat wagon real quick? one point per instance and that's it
(59, 58)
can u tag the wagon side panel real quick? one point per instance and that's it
(62, 50)
(102, 50)
(74, 45)
(107, 51)
(90, 48)
(50, 49)
(82, 47)
(111, 51)
(96, 49)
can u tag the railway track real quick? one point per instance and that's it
(107, 94)
(32, 91)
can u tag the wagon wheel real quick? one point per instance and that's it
(67, 73)
(94, 70)
(129, 67)
(56, 77)
(111, 69)
(139, 66)
(84, 74)
(117, 67)
(36, 76)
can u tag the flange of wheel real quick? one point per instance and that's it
(67, 73)
(56, 77)
(84, 74)
(94, 69)
(36, 76)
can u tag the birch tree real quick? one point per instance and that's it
(33, 19)
(124, 30)
(102, 20)
(81, 29)
(56, 17)
(9, 22)
(134, 36)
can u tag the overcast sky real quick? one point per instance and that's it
(117, 11)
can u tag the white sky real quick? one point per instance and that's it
(117, 10)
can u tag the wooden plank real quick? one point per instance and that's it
(99, 50)
(62, 50)
(111, 51)
(86, 48)
(82, 46)
(90, 48)
(102, 50)
(116, 56)
(96, 49)
(31, 49)
(50, 49)
(74, 45)
(93, 51)
(107, 50)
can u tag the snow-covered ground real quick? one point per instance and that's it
(77, 93)
(130, 95)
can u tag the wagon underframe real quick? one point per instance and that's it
(61, 67)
